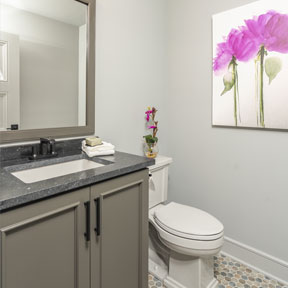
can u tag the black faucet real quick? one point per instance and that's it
(47, 146)
(47, 149)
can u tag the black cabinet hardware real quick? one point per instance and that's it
(87, 210)
(97, 206)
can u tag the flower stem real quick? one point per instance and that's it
(257, 89)
(238, 98)
(261, 100)
(235, 91)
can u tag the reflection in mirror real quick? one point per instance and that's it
(43, 46)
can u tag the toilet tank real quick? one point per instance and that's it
(158, 182)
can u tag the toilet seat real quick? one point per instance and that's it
(188, 222)
(191, 244)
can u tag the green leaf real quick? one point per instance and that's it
(147, 137)
(150, 139)
(273, 66)
(229, 82)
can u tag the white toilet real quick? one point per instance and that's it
(182, 239)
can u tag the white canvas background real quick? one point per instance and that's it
(275, 94)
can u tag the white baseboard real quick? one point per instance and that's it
(213, 284)
(269, 265)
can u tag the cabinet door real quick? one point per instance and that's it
(42, 245)
(119, 253)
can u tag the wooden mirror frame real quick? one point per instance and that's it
(62, 132)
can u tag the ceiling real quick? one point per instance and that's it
(67, 11)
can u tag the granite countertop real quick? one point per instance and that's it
(14, 192)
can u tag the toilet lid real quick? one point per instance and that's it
(188, 222)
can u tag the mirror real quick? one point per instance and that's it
(46, 68)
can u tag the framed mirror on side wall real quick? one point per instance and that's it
(47, 69)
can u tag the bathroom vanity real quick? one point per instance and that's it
(61, 227)
(86, 229)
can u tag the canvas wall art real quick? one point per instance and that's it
(250, 66)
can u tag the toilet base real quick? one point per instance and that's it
(190, 272)
(185, 272)
(158, 271)
(171, 283)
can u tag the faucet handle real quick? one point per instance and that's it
(53, 147)
(47, 146)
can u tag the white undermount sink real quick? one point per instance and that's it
(55, 170)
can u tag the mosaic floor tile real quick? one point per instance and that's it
(232, 274)
(153, 282)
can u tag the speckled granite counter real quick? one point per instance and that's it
(14, 192)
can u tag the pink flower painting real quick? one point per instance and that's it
(260, 43)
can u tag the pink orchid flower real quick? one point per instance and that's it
(148, 112)
(151, 127)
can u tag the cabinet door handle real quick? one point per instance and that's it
(97, 206)
(87, 210)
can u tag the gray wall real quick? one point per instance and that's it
(238, 175)
(130, 70)
(160, 53)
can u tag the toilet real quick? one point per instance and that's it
(182, 239)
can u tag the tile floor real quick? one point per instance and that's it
(230, 274)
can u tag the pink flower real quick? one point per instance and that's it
(151, 127)
(270, 30)
(239, 44)
(257, 26)
(276, 33)
(148, 112)
(223, 57)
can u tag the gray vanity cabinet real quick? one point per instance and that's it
(95, 237)
(119, 242)
(42, 244)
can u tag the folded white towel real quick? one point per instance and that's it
(100, 150)
(102, 153)
(103, 147)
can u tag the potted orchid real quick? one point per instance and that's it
(150, 144)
